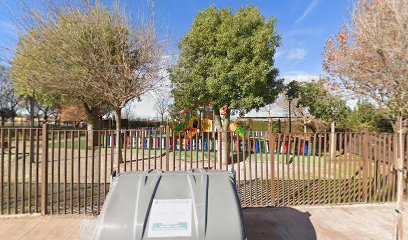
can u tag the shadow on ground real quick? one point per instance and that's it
(278, 223)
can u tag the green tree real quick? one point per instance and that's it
(226, 59)
(321, 103)
(91, 54)
(8, 98)
(366, 115)
(292, 91)
(44, 70)
(35, 102)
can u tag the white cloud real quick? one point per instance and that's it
(308, 10)
(144, 108)
(277, 112)
(300, 77)
(297, 54)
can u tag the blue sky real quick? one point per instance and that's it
(304, 25)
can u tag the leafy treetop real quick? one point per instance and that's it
(321, 103)
(227, 59)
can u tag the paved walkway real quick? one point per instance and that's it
(346, 222)
(61, 227)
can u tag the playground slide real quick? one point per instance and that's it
(241, 132)
(192, 132)
(192, 126)
(179, 127)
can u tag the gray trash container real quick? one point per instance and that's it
(196, 204)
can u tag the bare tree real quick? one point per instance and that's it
(127, 111)
(162, 105)
(92, 54)
(44, 65)
(369, 57)
(8, 99)
(172, 111)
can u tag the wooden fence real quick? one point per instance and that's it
(69, 171)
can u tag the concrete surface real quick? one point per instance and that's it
(325, 222)
(300, 223)
(35, 227)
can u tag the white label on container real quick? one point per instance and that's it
(170, 218)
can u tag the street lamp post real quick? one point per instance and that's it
(290, 115)
(292, 92)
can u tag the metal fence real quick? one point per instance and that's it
(69, 171)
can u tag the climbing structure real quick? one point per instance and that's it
(190, 123)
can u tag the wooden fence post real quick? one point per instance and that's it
(167, 148)
(399, 164)
(366, 147)
(44, 170)
(271, 138)
(395, 148)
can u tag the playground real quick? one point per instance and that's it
(271, 169)
(179, 119)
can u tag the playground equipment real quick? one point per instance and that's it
(190, 123)
(240, 131)
(206, 125)
(233, 127)
(172, 205)
(194, 134)
(155, 140)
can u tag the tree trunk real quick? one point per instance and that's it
(31, 112)
(304, 124)
(118, 117)
(400, 178)
(31, 100)
(45, 116)
(3, 119)
(223, 129)
(290, 118)
(92, 124)
(333, 141)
